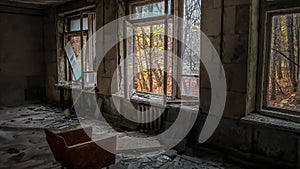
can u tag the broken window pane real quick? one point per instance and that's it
(76, 44)
(73, 35)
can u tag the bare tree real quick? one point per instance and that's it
(291, 49)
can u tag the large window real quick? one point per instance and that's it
(284, 62)
(78, 29)
(150, 53)
(281, 65)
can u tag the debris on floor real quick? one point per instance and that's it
(36, 116)
(23, 144)
(172, 160)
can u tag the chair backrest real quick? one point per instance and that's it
(57, 145)
(77, 136)
(110, 144)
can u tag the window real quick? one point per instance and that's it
(78, 29)
(281, 65)
(149, 10)
(284, 62)
(190, 76)
(150, 54)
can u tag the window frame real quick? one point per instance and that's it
(148, 21)
(82, 33)
(267, 11)
(177, 48)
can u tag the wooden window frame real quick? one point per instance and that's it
(174, 10)
(68, 34)
(267, 11)
(164, 19)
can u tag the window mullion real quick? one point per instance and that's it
(166, 25)
(179, 5)
(125, 60)
(81, 45)
(150, 58)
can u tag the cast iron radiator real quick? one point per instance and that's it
(147, 113)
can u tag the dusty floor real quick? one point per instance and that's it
(23, 144)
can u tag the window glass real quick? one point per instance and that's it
(149, 58)
(85, 24)
(80, 45)
(130, 59)
(191, 48)
(283, 74)
(149, 10)
(188, 86)
(75, 24)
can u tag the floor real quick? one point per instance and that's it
(23, 144)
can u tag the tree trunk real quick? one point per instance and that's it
(279, 65)
(291, 49)
(274, 59)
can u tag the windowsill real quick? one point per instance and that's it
(263, 120)
(71, 86)
(160, 103)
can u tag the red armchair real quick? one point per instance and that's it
(76, 150)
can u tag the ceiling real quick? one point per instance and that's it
(38, 2)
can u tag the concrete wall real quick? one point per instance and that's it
(258, 144)
(51, 52)
(21, 54)
(233, 50)
(106, 12)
